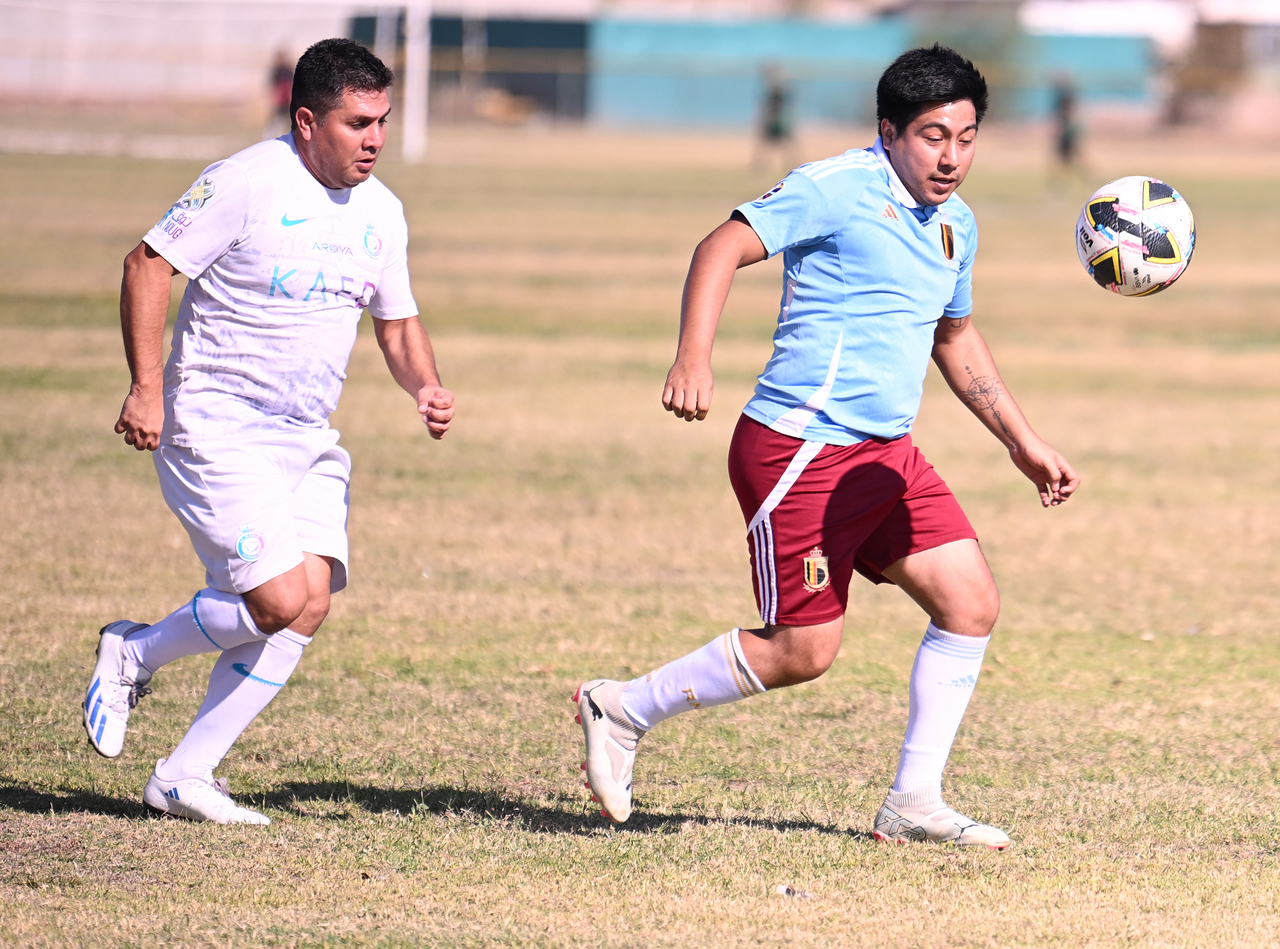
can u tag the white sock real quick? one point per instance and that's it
(244, 681)
(212, 621)
(716, 674)
(942, 679)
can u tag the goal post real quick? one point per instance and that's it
(417, 72)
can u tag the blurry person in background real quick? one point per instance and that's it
(280, 82)
(1066, 125)
(774, 146)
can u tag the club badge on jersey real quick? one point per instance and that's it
(197, 195)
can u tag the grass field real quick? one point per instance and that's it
(421, 769)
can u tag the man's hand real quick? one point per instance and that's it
(721, 254)
(435, 405)
(688, 391)
(141, 418)
(1052, 474)
(407, 350)
(144, 304)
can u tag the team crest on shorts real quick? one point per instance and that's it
(249, 546)
(817, 575)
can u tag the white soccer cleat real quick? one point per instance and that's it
(115, 688)
(611, 746)
(197, 799)
(917, 816)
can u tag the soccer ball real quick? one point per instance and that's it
(1135, 236)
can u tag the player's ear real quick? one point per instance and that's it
(887, 132)
(306, 120)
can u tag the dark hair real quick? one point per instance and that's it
(923, 76)
(327, 70)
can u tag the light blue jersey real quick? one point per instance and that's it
(869, 272)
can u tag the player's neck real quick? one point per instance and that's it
(303, 148)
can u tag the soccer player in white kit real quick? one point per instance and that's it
(285, 245)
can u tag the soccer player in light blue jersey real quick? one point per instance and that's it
(878, 252)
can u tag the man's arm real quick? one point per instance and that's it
(407, 349)
(730, 246)
(144, 306)
(966, 363)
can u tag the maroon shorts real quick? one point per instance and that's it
(815, 513)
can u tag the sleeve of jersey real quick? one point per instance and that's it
(961, 304)
(794, 212)
(205, 221)
(394, 299)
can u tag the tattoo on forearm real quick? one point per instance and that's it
(983, 392)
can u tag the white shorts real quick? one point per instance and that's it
(253, 505)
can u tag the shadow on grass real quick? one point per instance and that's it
(21, 797)
(438, 799)
(537, 818)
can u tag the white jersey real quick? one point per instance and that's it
(281, 269)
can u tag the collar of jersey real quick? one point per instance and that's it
(896, 187)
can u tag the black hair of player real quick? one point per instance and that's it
(327, 70)
(926, 76)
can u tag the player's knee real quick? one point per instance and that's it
(980, 614)
(316, 611)
(811, 668)
(279, 610)
(812, 663)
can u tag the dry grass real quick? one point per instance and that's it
(421, 768)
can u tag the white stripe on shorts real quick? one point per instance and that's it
(761, 530)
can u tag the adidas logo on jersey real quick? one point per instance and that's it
(889, 212)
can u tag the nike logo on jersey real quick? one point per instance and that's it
(284, 219)
(889, 212)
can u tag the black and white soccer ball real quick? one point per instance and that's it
(1135, 236)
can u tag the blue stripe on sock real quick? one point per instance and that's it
(954, 653)
(241, 668)
(954, 649)
(199, 625)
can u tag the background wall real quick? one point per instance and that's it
(648, 72)
(659, 65)
(132, 50)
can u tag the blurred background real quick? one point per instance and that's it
(1105, 65)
